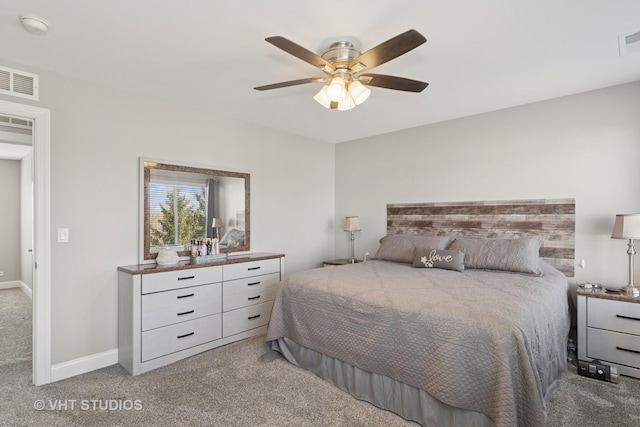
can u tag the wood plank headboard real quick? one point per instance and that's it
(551, 219)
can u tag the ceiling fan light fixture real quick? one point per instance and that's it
(343, 63)
(358, 92)
(336, 89)
(323, 98)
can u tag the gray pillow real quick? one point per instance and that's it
(521, 255)
(400, 248)
(232, 238)
(437, 258)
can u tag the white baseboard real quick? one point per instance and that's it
(27, 290)
(17, 284)
(10, 284)
(83, 365)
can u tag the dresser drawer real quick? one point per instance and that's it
(168, 299)
(252, 268)
(162, 341)
(168, 280)
(243, 319)
(251, 297)
(613, 347)
(253, 283)
(612, 315)
(165, 308)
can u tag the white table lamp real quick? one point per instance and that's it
(627, 226)
(352, 224)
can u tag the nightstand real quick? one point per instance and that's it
(340, 261)
(609, 329)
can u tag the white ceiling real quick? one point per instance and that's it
(479, 56)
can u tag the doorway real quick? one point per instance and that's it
(16, 234)
(16, 180)
(41, 301)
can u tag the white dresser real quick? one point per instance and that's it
(168, 313)
(609, 330)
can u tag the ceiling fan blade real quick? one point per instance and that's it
(386, 51)
(393, 82)
(291, 83)
(301, 53)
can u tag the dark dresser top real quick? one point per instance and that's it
(185, 265)
(601, 293)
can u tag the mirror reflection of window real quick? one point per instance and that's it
(177, 209)
(180, 203)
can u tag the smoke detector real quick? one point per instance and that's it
(34, 25)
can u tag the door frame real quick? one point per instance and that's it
(41, 234)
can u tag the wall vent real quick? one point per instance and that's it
(18, 83)
(16, 122)
(629, 43)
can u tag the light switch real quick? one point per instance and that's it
(63, 235)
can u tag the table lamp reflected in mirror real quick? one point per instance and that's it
(216, 224)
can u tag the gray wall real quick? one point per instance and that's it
(585, 146)
(10, 220)
(97, 137)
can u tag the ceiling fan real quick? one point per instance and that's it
(346, 85)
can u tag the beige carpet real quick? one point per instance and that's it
(15, 326)
(242, 384)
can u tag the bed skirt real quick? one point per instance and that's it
(384, 392)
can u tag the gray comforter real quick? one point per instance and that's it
(490, 342)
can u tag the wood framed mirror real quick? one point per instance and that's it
(178, 204)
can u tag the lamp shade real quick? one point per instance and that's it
(627, 226)
(346, 103)
(323, 98)
(217, 223)
(359, 92)
(336, 90)
(351, 223)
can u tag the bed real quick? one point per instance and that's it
(437, 340)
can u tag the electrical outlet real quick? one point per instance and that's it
(1, 273)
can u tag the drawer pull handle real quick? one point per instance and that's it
(186, 335)
(626, 349)
(252, 298)
(186, 312)
(626, 317)
(186, 278)
(253, 317)
(253, 268)
(253, 284)
(185, 296)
